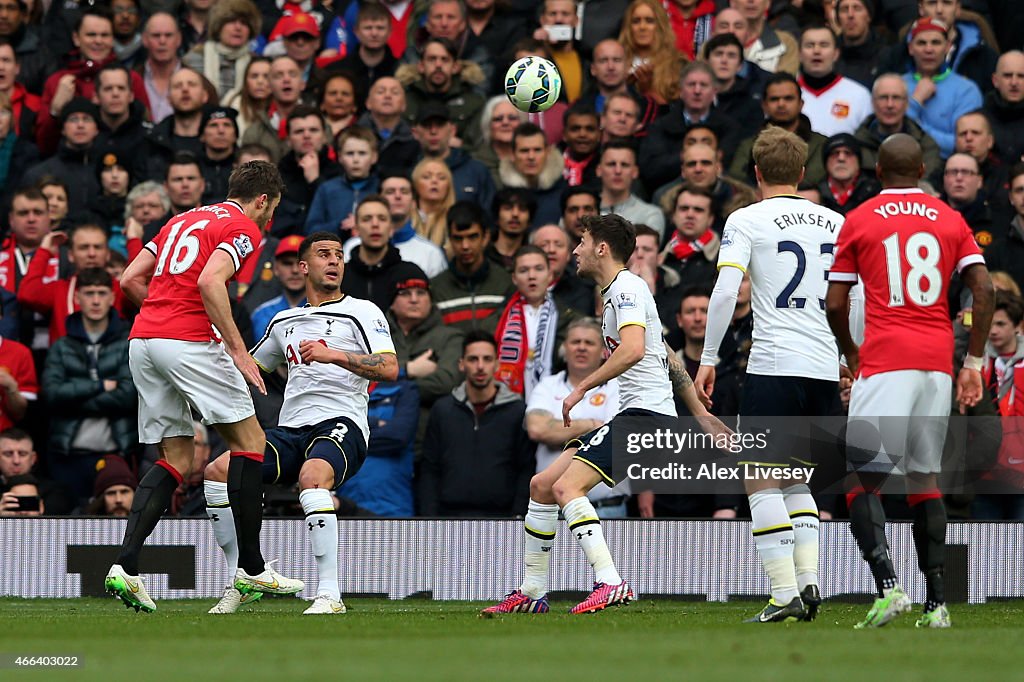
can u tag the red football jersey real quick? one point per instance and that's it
(904, 245)
(174, 309)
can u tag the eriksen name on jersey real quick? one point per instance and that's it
(793, 219)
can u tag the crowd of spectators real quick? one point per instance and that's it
(388, 122)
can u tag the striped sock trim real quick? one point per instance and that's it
(782, 528)
(803, 512)
(584, 522)
(540, 535)
(319, 511)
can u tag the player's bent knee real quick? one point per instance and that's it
(217, 470)
(541, 489)
(316, 473)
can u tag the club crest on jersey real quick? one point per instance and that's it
(597, 399)
(626, 301)
(243, 245)
(840, 109)
(329, 323)
(381, 327)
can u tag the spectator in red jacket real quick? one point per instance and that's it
(56, 296)
(93, 36)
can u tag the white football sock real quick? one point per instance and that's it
(773, 538)
(322, 523)
(586, 528)
(223, 520)
(540, 525)
(803, 514)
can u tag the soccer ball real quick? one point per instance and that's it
(533, 84)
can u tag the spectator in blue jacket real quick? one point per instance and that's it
(335, 201)
(938, 96)
(384, 483)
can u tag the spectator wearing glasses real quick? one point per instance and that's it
(963, 189)
(890, 100)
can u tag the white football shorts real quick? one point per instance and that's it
(897, 422)
(172, 376)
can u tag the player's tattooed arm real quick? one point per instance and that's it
(375, 366)
(372, 366)
(677, 373)
(682, 384)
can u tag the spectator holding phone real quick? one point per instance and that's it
(22, 497)
(17, 459)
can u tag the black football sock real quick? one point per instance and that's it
(152, 498)
(930, 542)
(867, 521)
(245, 492)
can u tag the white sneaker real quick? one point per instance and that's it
(232, 599)
(268, 582)
(325, 605)
(129, 589)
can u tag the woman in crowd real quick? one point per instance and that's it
(498, 120)
(227, 51)
(433, 184)
(651, 50)
(56, 193)
(338, 103)
(253, 101)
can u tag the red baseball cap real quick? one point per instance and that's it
(927, 24)
(298, 22)
(288, 245)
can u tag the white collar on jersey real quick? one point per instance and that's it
(236, 205)
(323, 303)
(902, 190)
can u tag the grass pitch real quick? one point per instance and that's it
(426, 640)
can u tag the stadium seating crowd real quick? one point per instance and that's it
(116, 115)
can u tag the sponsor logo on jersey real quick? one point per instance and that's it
(626, 301)
(840, 109)
(381, 327)
(243, 245)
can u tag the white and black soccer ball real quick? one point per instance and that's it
(533, 84)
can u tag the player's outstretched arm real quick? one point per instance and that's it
(135, 278)
(837, 310)
(212, 280)
(721, 308)
(372, 366)
(968, 384)
(632, 345)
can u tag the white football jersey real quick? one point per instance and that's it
(786, 244)
(628, 300)
(317, 392)
(839, 108)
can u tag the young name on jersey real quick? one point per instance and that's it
(317, 392)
